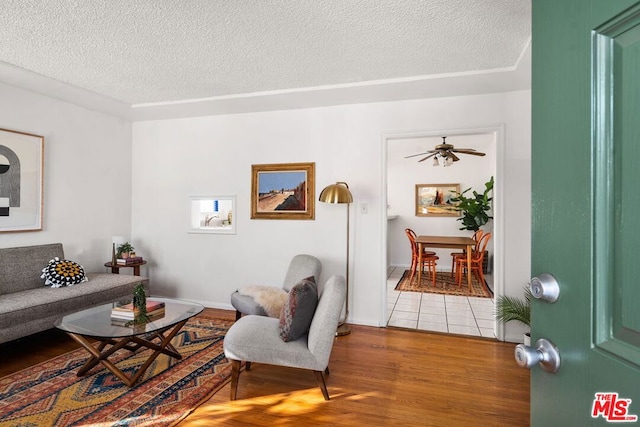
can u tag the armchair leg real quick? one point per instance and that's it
(235, 373)
(322, 384)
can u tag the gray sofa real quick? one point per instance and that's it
(27, 306)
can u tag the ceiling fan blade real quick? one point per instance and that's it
(469, 151)
(419, 154)
(454, 157)
(429, 156)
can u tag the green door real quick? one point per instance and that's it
(586, 209)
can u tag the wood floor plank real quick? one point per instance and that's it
(379, 377)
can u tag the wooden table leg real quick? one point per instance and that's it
(158, 350)
(100, 355)
(420, 264)
(97, 354)
(469, 248)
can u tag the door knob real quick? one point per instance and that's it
(545, 354)
(545, 287)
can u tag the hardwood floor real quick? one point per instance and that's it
(379, 377)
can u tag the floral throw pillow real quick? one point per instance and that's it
(298, 311)
(62, 272)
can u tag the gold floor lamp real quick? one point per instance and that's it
(339, 193)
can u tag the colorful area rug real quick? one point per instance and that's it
(445, 284)
(50, 393)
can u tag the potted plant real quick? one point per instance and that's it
(124, 250)
(474, 209)
(474, 212)
(140, 305)
(512, 308)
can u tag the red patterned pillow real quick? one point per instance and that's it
(298, 311)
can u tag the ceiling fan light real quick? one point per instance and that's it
(449, 161)
(435, 161)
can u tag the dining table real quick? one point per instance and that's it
(453, 242)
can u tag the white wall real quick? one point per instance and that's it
(517, 198)
(173, 159)
(87, 171)
(96, 185)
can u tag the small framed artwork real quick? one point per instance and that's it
(21, 181)
(283, 191)
(212, 214)
(435, 199)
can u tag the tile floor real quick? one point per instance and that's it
(441, 313)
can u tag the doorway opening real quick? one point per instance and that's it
(428, 311)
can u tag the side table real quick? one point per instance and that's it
(115, 268)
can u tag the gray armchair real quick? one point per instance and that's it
(257, 339)
(300, 267)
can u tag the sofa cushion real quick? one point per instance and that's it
(256, 338)
(63, 272)
(20, 307)
(21, 267)
(297, 312)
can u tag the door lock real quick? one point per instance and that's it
(545, 354)
(545, 287)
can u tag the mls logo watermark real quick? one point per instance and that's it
(612, 408)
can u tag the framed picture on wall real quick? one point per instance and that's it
(435, 199)
(21, 181)
(212, 214)
(283, 191)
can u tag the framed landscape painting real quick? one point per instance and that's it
(21, 164)
(435, 199)
(283, 191)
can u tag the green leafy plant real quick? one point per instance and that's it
(474, 209)
(511, 308)
(124, 248)
(140, 306)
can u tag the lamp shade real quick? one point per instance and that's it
(336, 193)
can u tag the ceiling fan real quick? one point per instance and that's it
(446, 152)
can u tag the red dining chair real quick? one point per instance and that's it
(476, 236)
(476, 261)
(429, 258)
(412, 236)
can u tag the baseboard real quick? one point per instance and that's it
(518, 339)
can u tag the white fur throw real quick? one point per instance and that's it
(268, 297)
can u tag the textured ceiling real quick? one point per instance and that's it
(148, 51)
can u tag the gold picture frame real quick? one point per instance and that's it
(21, 181)
(435, 199)
(283, 191)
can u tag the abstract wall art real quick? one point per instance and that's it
(21, 181)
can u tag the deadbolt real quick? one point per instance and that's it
(545, 287)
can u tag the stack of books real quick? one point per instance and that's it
(130, 260)
(121, 315)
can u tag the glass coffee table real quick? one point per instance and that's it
(155, 335)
